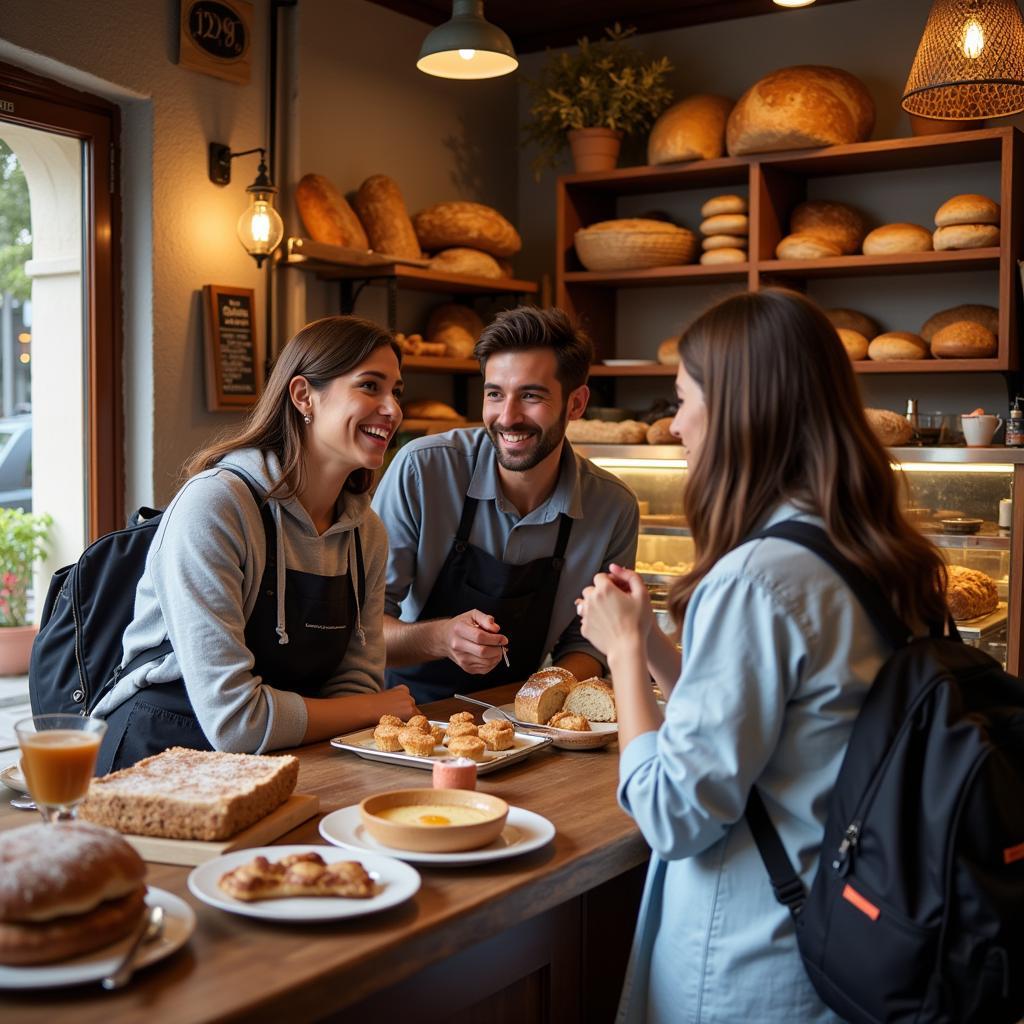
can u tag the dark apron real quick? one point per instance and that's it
(519, 597)
(320, 615)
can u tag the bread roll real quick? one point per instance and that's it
(966, 236)
(889, 427)
(445, 225)
(964, 339)
(471, 262)
(383, 214)
(970, 592)
(800, 108)
(897, 345)
(987, 316)
(726, 224)
(668, 351)
(854, 342)
(804, 246)
(967, 209)
(837, 222)
(692, 129)
(457, 326)
(601, 432)
(854, 320)
(715, 257)
(723, 242)
(897, 238)
(326, 214)
(659, 433)
(723, 204)
(428, 409)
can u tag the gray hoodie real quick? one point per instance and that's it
(199, 587)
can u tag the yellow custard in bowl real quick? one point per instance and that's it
(434, 815)
(434, 820)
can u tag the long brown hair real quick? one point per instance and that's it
(785, 423)
(320, 352)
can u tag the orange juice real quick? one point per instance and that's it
(58, 765)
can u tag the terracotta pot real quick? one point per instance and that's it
(15, 648)
(935, 126)
(594, 149)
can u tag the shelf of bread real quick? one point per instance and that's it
(994, 365)
(692, 273)
(421, 425)
(948, 261)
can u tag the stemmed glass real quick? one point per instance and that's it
(58, 758)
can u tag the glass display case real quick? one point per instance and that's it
(960, 498)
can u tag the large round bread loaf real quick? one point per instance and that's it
(987, 316)
(457, 326)
(839, 223)
(889, 427)
(326, 214)
(897, 345)
(967, 208)
(457, 224)
(692, 129)
(890, 239)
(854, 342)
(854, 320)
(799, 108)
(471, 262)
(384, 215)
(964, 339)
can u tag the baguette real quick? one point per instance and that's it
(383, 214)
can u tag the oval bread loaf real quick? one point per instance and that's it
(383, 214)
(889, 427)
(457, 326)
(965, 236)
(987, 316)
(692, 129)
(659, 432)
(326, 214)
(601, 432)
(471, 262)
(715, 257)
(854, 342)
(668, 351)
(964, 339)
(458, 224)
(854, 320)
(897, 345)
(968, 208)
(840, 223)
(726, 224)
(897, 238)
(723, 204)
(804, 246)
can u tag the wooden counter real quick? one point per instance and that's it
(537, 937)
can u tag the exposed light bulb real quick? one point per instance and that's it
(794, 3)
(259, 225)
(974, 39)
(260, 228)
(467, 54)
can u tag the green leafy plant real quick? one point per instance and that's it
(603, 84)
(23, 537)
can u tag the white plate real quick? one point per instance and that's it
(396, 883)
(12, 778)
(361, 743)
(524, 832)
(179, 923)
(628, 362)
(600, 735)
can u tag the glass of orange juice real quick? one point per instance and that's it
(58, 758)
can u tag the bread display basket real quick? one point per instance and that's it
(634, 244)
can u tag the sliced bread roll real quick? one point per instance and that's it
(592, 698)
(540, 697)
(965, 236)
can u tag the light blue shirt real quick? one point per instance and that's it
(778, 658)
(420, 501)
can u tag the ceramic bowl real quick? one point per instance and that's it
(433, 838)
(961, 525)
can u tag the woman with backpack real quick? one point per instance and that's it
(778, 655)
(258, 618)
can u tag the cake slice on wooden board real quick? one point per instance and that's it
(191, 794)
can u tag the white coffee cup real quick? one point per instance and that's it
(979, 430)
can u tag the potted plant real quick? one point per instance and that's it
(591, 97)
(23, 537)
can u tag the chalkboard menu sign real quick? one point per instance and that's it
(234, 377)
(215, 38)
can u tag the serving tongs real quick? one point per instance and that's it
(527, 727)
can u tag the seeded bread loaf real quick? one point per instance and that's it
(839, 223)
(987, 316)
(969, 592)
(445, 225)
(384, 215)
(964, 339)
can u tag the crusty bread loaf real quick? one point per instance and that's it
(692, 129)
(384, 215)
(668, 351)
(854, 342)
(326, 214)
(897, 238)
(428, 409)
(716, 257)
(970, 592)
(987, 316)
(965, 236)
(723, 204)
(964, 339)
(799, 108)
(659, 432)
(804, 246)
(457, 326)
(540, 697)
(889, 427)
(592, 698)
(839, 223)
(897, 345)
(968, 208)
(723, 242)
(446, 225)
(191, 794)
(854, 320)
(471, 262)
(726, 224)
(600, 432)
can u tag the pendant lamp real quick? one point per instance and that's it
(467, 46)
(969, 63)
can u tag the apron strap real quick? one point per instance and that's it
(360, 568)
(466, 520)
(564, 529)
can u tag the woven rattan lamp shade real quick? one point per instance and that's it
(970, 61)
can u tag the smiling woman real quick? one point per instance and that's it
(258, 617)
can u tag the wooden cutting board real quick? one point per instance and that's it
(294, 811)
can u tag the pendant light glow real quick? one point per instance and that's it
(467, 46)
(794, 3)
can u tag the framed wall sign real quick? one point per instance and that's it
(215, 38)
(234, 369)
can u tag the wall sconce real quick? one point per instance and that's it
(260, 228)
(467, 46)
(970, 62)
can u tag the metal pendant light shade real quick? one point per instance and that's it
(970, 61)
(467, 46)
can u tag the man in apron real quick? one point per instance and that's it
(495, 531)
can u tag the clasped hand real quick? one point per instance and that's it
(617, 607)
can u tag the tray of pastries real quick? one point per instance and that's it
(419, 742)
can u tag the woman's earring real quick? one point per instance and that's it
(307, 419)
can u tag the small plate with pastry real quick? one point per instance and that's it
(303, 883)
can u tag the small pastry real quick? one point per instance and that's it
(386, 738)
(468, 746)
(462, 716)
(390, 720)
(569, 720)
(415, 742)
(418, 722)
(457, 729)
(437, 731)
(498, 735)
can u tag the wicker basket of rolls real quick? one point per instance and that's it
(634, 244)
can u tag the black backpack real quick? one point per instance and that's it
(916, 912)
(76, 657)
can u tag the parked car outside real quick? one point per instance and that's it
(16, 462)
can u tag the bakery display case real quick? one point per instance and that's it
(967, 501)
